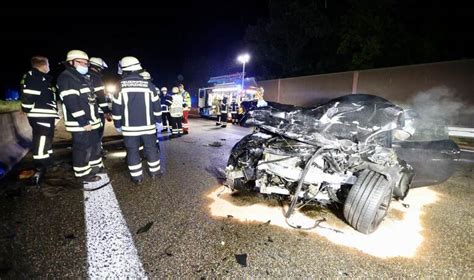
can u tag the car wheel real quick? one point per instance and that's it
(368, 201)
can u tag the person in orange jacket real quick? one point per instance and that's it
(186, 107)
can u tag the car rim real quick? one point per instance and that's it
(381, 211)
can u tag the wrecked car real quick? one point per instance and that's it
(354, 151)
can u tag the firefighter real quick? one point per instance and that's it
(222, 118)
(146, 75)
(240, 111)
(97, 65)
(81, 116)
(234, 109)
(136, 113)
(186, 107)
(259, 95)
(175, 105)
(38, 101)
(216, 106)
(164, 109)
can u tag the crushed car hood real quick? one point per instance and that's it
(354, 117)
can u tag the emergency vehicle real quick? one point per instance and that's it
(229, 86)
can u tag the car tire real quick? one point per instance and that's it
(368, 201)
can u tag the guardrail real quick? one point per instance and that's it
(463, 132)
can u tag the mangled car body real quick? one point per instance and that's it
(340, 152)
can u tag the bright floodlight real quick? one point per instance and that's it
(244, 58)
(111, 88)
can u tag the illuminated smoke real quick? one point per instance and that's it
(441, 106)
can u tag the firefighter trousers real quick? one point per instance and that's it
(43, 133)
(222, 119)
(86, 153)
(134, 161)
(101, 129)
(235, 118)
(166, 119)
(176, 126)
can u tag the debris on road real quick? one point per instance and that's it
(215, 144)
(70, 236)
(242, 259)
(145, 228)
(26, 174)
(168, 251)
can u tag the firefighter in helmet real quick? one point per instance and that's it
(136, 112)
(234, 109)
(81, 116)
(222, 118)
(175, 105)
(166, 117)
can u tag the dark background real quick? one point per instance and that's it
(189, 42)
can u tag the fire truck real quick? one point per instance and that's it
(229, 86)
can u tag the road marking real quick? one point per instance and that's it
(111, 252)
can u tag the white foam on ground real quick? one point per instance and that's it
(395, 237)
(111, 252)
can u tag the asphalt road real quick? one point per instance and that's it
(185, 225)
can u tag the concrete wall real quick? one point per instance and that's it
(308, 90)
(399, 84)
(15, 139)
(403, 83)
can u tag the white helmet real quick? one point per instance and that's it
(129, 63)
(76, 54)
(175, 90)
(145, 75)
(99, 62)
(164, 89)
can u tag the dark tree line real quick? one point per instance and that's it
(303, 37)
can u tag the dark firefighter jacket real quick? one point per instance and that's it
(224, 105)
(79, 105)
(38, 97)
(234, 107)
(136, 109)
(164, 103)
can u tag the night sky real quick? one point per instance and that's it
(172, 42)
(187, 42)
